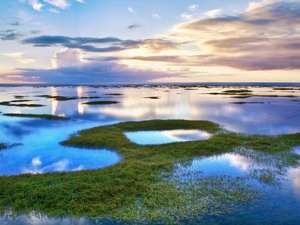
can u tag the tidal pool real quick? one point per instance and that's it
(166, 136)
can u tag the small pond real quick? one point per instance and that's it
(166, 136)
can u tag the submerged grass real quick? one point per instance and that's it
(138, 188)
(39, 116)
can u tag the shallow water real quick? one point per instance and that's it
(41, 152)
(279, 196)
(166, 136)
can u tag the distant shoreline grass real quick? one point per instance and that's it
(20, 103)
(38, 116)
(65, 98)
(100, 103)
(136, 189)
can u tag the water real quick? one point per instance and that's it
(40, 151)
(279, 196)
(166, 136)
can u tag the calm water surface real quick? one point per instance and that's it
(166, 136)
(41, 152)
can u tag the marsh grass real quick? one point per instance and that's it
(152, 97)
(286, 89)
(65, 98)
(20, 103)
(100, 103)
(114, 94)
(138, 188)
(243, 103)
(38, 116)
(2, 146)
(237, 91)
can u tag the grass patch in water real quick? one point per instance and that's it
(243, 103)
(237, 91)
(65, 98)
(2, 146)
(100, 103)
(137, 188)
(18, 103)
(38, 116)
(286, 89)
(152, 97)
(114, 94)
(19, 96)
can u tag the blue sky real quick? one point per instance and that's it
(156, 41)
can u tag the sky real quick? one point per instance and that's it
(143, 41)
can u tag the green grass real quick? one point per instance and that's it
(39, 116)
(100, 103)
(138, 188)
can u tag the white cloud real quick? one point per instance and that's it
(18, 56)
(156, 16)
(54, 10)
(62, 4)
(193, 8)
(256, 5)
(186, 16)
(213, 13)
(36, 161)
(39, 4)
(36, 5)
(68, 58)
(131, 10)
(191, 13)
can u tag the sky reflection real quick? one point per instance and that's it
(167, 136)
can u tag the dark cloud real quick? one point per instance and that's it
(133, 26)
(35, 31)
(9, 35)
(157, 58)
(15, 23)
(89, 44)
(96, 72)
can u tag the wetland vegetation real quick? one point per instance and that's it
(140, 187)
(100, 103)
(39, 116)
